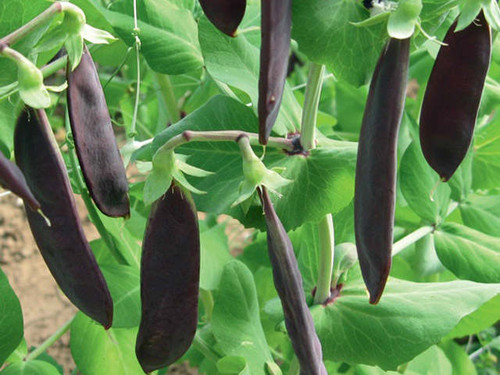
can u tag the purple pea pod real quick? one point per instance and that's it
(11, 178)
(226, 15)
(274, 55)
(170, 270)
(62, 244)
(375, 186)
(451, 100)
(288, 283)
(95, 141)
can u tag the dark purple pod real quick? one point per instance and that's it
(63, 244)
(375, 186)
(288, 283)
(170, 269)
(95, 141)
(274, 53)
(11, 178)
(226, 15)
(451, 100)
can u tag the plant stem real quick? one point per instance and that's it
(411, 239)
(94, 216)
(32, 25)
(311, 102)
(294, 367)
(223, 136)
(54, 66)
(167, 92)
(138, 63)
(205, 349)
(50, 341)
(326, 254)
(208, 303)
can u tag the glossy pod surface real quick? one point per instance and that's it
(452, 97)
(274, 54)
(226, 15)
(95, 141)
(12, 178)
(375, 186)
(170, 268)
(63, 245)
(288, 283)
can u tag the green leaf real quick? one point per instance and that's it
(11, 319)
(123, 241)
(100, 352)
(214, 256)
(8, 120)
(431, 362)
(236, 321)
(168, 34)
(479, 320)
(235, 61)
(410, 318)
(486, 156)
(469, 254)
(417, 181)
(482, 213)
(461, 181)
(34, 367)
(18, 354)
(233, 365)
(325, 34)
(124, 286)
(462, 364)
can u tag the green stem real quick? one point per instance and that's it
(311, 102)
(50, 341)
(294, 367)
(32, 25)
(54, 66)
(326, 254)
(167, 92)
(138, 63)
(205, 349)
(208, 303)
(93, 214)
(223, 136)
(410, 239)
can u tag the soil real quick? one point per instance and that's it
(44, 307)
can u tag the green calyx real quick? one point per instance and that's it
(168, 166)
(31, 87)
(74, 19)
(403, 20)
(256, 174)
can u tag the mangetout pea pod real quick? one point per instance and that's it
(451, 100)
(12, 178)
(375, 185)
(170, 268)
(288, 283)
(274, 53)
(226, 15)
(95, 141)
(63, 244)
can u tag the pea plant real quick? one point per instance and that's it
(357, 143)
